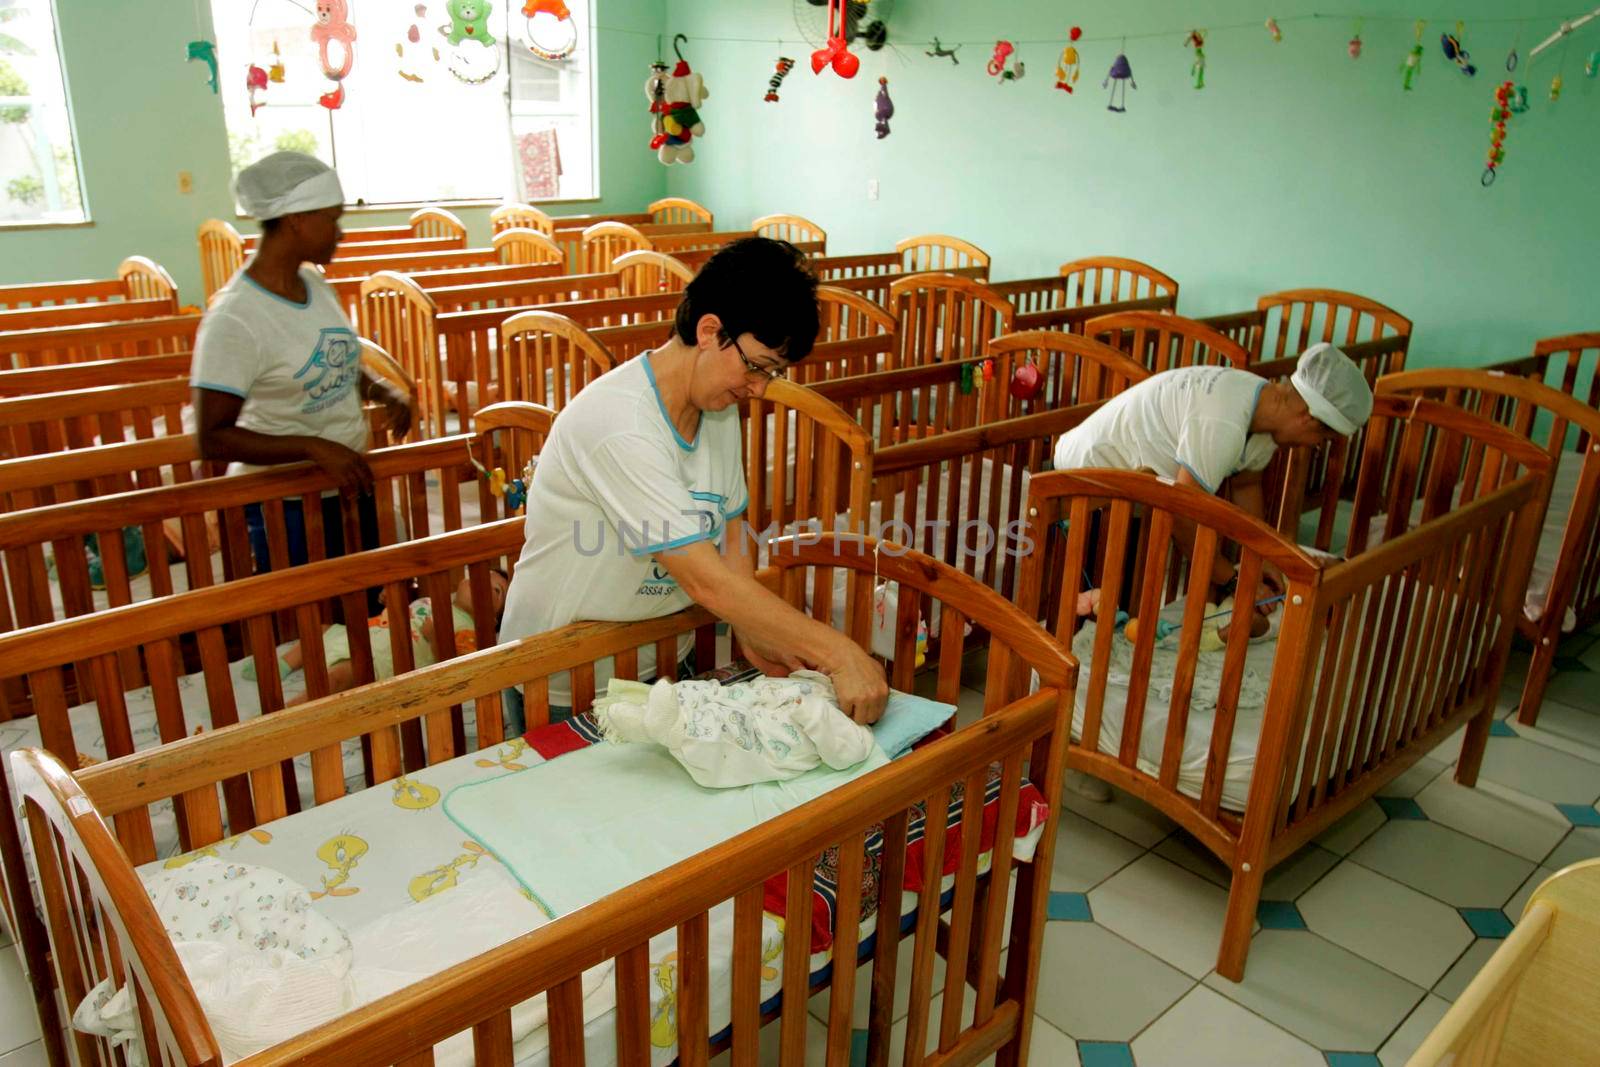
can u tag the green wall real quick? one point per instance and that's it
(1294, 167)
(142, 115)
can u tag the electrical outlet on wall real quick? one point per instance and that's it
(185, 182)
(872, 188)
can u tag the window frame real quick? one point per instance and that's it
(87, 219)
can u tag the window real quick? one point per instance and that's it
(38, 160)
(417, 118)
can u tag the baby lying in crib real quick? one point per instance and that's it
(420, 619)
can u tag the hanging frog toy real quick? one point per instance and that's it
(1067, 66)
(1197, 41)
(1412, 67)
(1119, 77)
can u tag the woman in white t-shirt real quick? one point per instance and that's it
(277, 372)
(636, 506)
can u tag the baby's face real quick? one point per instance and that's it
(497, 592)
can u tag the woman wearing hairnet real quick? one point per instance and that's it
(1201, 426)
(277, 373)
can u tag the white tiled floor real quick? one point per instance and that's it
(1385, 949)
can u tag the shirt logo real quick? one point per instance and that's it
(335, 364)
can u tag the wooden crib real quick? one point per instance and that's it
(223, 250)
(1163, 341)
(1285, 324)
(81, 418)
(1533, 1002)
(138, 278)
(69, 376)
(934, 252)
(521, 216)
(114, 340)
(1086, 289)
(97, 909)
(944, 317)
(1377, 659)
(349, 289)
(412, 262)
(791, 228)
(1568, 564)
(80, 314)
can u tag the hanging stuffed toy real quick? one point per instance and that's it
(1591, 66)
(275, 72)
(837, 51)
(469, 21)
(1067, 66)
(673, 104)
(205, 52)
(785, 65)
(1498, 117)
(255, 81)
(1413, 64)
(1004, 50)
(1197, 41)
(940, 52)
(550, 32)
(412, 52)
(1555, 89)
(1119, 77)
(1451, 43)
(1026, 382)
(333, 27)
(1272, 28)
(1354, 46)
(883, 111)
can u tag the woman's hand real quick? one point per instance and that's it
(346, 467)
(399, 407)
(859, 683)
(771, 662)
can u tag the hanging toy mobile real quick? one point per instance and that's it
(784, 66)
(1412, 67)
(940, 52)
(1067, 65)
(1121, 72)
(255, 81)
(837, 51)
(1451, 43)
(1498, 117)
(514, 491)
(673, 107)
(550, 32)
(1355, 42)
(1197, 41)
(1272, 28)
(333, 27)
(1003, 51)
(275, 72)
(883, 109)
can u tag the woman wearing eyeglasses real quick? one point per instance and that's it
(636, 504)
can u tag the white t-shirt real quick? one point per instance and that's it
(1196, 418)
(615, 484)
(297, 366)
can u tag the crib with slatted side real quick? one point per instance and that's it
(348, 289)
(411, 262)
(75, 815)
(1058, 302)
(138, 278)
(1286, 323)
(69, 376)
(1377, 659)
(870, 274)
(1567, 565)
(81, 418)
(161, 335)
(223, 249)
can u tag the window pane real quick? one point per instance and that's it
(38, 159)
(419, 118)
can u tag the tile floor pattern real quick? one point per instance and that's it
(1364, 937)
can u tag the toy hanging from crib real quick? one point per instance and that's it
(1453, 51)
(837, 51)
(1119, 77)
(205, 52)
(1504, 98)
(255, 81)
(550, 32)
(1003, 51)
(940, 52)
(1272, 28)
(514, 491)
(1067, 65)
(883, 109)
(333, 27)
(1197, 41)
(1412, 67)
(275, 72)
(784, 66)
(1026, 381)
(674, 104)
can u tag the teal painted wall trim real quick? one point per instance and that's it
(143, 115)
(1295, 167)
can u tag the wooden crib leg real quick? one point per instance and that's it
(1243, 896)
(1474, 742)
(1540, 667)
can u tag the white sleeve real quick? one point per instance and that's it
(642, 496)
(227, 358)
(1210, 450)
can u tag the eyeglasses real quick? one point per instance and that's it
(756, 370)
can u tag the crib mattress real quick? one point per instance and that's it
(370, 855)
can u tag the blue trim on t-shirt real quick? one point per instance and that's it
(282, 299)
(687, 446)
(677, 542)
(740, 510)
(1203, 483)
(230, 390)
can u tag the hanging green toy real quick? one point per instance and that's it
(1197, 41)
(1413, 64)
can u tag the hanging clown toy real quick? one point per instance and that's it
(674, 120)
(1067, 65)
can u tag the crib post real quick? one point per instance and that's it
(26, 927)
(1473, 744)
(1540, 666)
(1244, 894)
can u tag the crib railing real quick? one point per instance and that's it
(102, 925)
(81, 418)
(98, 341)
(1285, 324)
(944, 317)
(30, 381)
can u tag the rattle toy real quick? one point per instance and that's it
(1003, 51)
(553, 11)
(784, 66)
(333, 25)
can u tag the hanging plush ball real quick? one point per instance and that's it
(1026, 381)
(876, 35)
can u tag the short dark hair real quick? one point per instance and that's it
(760, 286)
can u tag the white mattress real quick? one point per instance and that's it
(377, 852)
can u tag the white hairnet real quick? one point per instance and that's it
(286, 182)
(1334, 388)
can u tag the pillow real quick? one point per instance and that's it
(906, 720)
